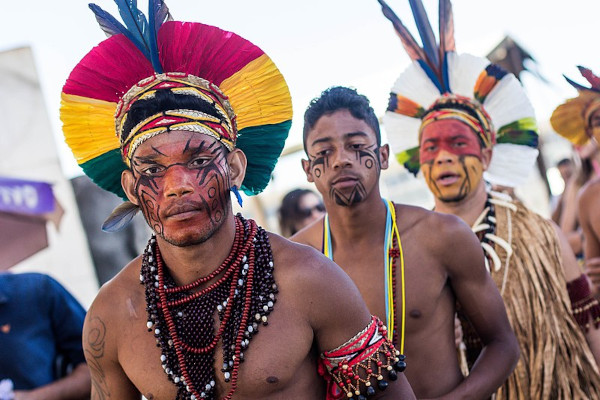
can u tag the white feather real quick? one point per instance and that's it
(402, 131)
(463, 71)
(508, 102)
(511, 164)
(414, 84)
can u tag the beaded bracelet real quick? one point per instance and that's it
(362, 363)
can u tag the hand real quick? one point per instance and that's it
(592, 268)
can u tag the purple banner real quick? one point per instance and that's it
(25, 197)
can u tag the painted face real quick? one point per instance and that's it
(451, 159)
(344, 159)
(181, 180)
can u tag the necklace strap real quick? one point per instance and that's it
(391, 234)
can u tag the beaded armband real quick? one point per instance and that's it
(364, 362)
(583, 303)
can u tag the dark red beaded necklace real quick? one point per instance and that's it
(182, 317)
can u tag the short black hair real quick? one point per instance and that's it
(340, 98)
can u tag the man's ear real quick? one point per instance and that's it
(384, 156)
(486, 158)
(236, 159)
(307, 171)
(128, 184)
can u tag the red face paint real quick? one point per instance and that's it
(182, 185)
(450, 135)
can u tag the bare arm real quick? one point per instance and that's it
(75, 386)
(589, 217)
(572, 272)
(337, 313)
(108, 379)
(481, 301)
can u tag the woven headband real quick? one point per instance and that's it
(222, 128)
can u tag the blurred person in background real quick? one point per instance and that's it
(41, 355)
(299, 208)
(576, 175)
(578, 120)
(467, 124)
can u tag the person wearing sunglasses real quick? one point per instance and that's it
(299, 208)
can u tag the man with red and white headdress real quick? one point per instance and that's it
(467, 124)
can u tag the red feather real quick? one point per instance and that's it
(415, 52)
(591, 78)
(203, 50)
(446, 28)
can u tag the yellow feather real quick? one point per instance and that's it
(258, 82)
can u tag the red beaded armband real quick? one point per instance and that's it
(584, 305)
(364, 362)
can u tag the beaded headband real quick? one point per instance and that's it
(222, 128)
(464, 110)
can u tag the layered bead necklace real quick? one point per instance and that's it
(241, 291)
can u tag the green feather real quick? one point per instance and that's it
(105, 171)
(263, 146)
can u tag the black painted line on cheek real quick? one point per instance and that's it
(465, 187)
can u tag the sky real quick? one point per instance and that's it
(321, 43)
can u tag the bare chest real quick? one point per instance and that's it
(419, 280)
(279, 359)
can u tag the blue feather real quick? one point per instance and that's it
(120, 217)
(445, 74)
(576, 85)
(108, 23)
(136, 23)
(158, 13)
(427, 37)
(431, 74)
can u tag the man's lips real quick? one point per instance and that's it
(182, 210)
(447, 179)
(344, 181)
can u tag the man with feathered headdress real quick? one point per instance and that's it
(465, 124)
(200, 113)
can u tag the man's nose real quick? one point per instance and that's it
(444, 157)
(342, 159)
(177, 181)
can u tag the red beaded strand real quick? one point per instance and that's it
(196, 338)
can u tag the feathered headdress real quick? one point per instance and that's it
(572, 118)
(441, 79)
(234, 77)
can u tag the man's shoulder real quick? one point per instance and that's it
(301, 265)
(312, 235)
(420, 219)
(125, 285)
(590, 193)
